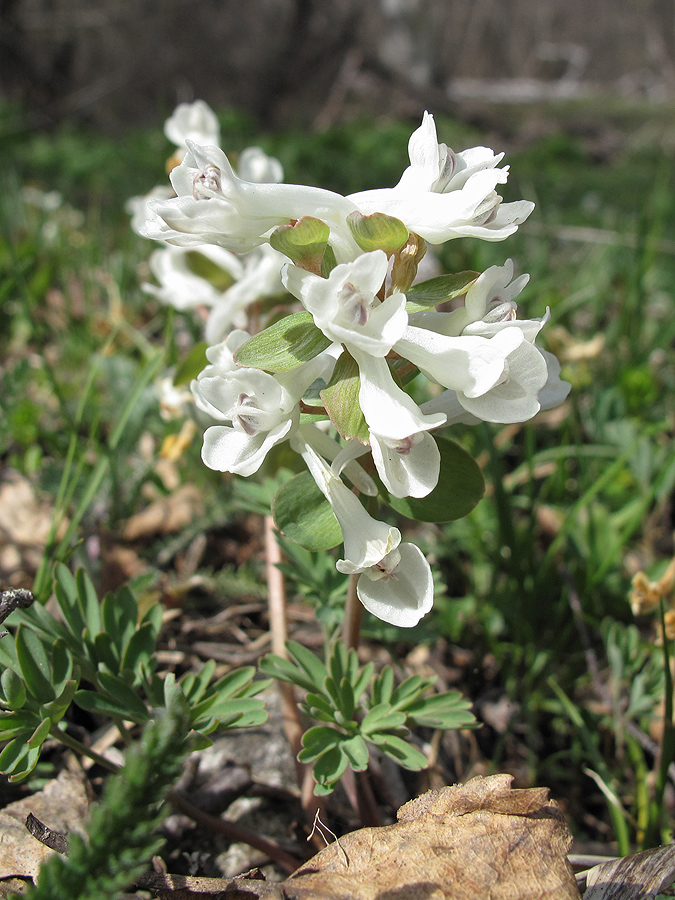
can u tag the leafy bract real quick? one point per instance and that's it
(377, 231)
(460, 487)
(341, 399)
(440, 289)
(289, 343)
(303, 514)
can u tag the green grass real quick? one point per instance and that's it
(538, 575)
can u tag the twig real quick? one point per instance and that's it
(235, 832)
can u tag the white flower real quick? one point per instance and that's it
(443, 195)
(213, 205)
(530, 382)
(261, 410)
(259, 277)
(193, 122)
(255, 165)
(182, 288)
(345, 305)
(488, 306)
(408, 467)
(142, 216)
(400, 589)
(396, 584)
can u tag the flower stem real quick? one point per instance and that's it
(351, 627)
(290, 713)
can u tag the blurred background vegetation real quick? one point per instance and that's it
(532, 618)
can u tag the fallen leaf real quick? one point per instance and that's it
(475, 841)
(169, 514)
(24, 529)
(62, 806)
(643, 874)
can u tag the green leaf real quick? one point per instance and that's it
(303, 514)
(125, 696)
(460, 487)
(356, 751)
(234, 682)
(194, 686)
(288, 343)
(377, 231)
(13, 689)
(329, 768)
(318, 740)
(34, 664)
(341, 399)
(67, 598)
(192, 364)
(284, 670)
(400, 751)
(97, 703)
(440, 289)
(383, 686)
(39, 736)
(22, 721)
(89, 602)
(140, 647)
(362, 681)
(381, 718)
(57, 708)
(62, 665)
(308, 661)
(14, 753)
(319, 707)
(409, 690)
(304, 242)
(106, 651)
(447, 710)
(27, 764)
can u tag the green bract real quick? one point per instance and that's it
(377, 231)
(460, 487)
(304, 242)
(341, 399)
(283, 346)
(302, 513)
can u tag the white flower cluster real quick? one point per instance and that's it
(248, 277)
(482, 356)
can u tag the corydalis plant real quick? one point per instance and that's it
(333, 378)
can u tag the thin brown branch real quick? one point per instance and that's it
(235, 832)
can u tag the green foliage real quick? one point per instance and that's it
(355, 709)
(292, 341)
(106, 646)
(439, 290)
(377, 231)
(460, 487)
(304, 242)
(303, 514)
(122, 827)
(341, 399)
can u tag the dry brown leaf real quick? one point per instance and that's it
(641, 875)
(166, 515)
(62, 805)
(24, 528)
(476, 841)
